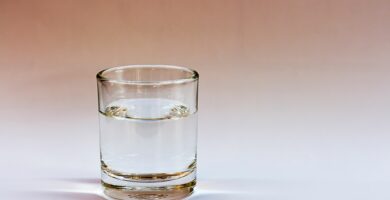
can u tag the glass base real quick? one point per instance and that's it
(149, 187)
(173, 192)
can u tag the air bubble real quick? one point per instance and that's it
(116, 111)
(179, 111)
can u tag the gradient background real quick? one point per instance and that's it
(294, 95)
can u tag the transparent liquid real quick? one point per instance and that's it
(147, 140)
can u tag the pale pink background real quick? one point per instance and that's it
(294, 95)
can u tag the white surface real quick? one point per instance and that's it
(55, 156)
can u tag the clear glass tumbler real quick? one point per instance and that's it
(148, 131)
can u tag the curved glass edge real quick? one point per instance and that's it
(194, 75)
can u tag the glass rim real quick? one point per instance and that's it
(194, 75)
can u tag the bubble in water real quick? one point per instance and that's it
(116, 111)
(179, 111)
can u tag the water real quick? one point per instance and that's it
(147, 140)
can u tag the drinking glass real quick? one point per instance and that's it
(148, 131)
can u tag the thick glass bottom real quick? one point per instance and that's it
(150, 187)
(172, 192)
